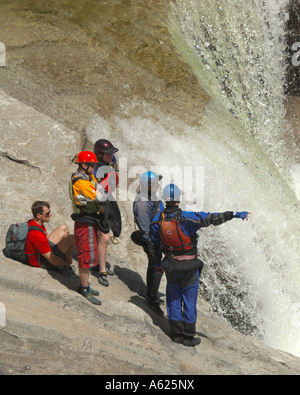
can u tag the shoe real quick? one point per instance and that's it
(191, 341)
(177, 339)
(90, 289)
(93, 291)
(109, 272)
(87, 293)
(102, 279)
(155, 307)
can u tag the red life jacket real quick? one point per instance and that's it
(173, 238)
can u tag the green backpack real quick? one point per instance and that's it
(16, 239)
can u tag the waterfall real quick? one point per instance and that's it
(237, 51)
(252, 273)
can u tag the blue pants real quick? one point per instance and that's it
(182, 308)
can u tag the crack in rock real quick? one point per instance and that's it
(24, 162)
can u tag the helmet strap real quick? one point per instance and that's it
(85, 170)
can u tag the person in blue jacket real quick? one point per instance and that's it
(177, 232)
(145, 207)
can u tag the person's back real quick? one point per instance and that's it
(177, 231)
(144, 210)
(145, 206)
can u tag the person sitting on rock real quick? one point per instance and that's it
(53, 251)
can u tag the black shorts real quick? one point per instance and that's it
(48, 265)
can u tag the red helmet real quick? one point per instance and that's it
(86, 157)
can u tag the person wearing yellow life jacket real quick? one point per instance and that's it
(88, 220)
(177, 232)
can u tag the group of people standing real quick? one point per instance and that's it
(167, 235)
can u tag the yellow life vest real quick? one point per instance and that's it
(83, 193)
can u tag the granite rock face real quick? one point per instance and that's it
(35, 156)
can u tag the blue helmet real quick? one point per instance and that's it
(148, 179)
(171, 193)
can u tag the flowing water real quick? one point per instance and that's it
(106, 55)
(236, 50)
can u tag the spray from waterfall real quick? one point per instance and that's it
(236, 50)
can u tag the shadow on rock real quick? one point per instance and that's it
(135, 283)
(71, 282)
(132, 279)
(160, 321)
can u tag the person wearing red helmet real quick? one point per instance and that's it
(88, 220)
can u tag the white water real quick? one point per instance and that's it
(236, 49)
(252, 274)
(295, 171)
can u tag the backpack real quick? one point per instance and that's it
(16, 239)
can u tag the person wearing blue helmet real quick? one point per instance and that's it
(177, 232)
(145, 207)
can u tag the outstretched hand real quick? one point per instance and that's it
(242, 214)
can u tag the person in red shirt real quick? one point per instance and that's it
(45, 251)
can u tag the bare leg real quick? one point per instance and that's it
(59, 234)
(65, 242)
(67, 246)
(103, 240)
(84, 277)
